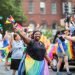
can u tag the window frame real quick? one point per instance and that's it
(31, 7)
(54, 9)
(43, 7)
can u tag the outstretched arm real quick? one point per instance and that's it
(72, 38)
(24, 36)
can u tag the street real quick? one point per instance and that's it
(5, 72)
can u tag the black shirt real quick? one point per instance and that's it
(36, 50)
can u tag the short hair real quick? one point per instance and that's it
(14, 36)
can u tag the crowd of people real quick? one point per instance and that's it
(62, 37)
(28, 45)
(28, 54)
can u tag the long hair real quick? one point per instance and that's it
(55, 37)
(61, 38)
(67, 20)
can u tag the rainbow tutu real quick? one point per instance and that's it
(29, 66)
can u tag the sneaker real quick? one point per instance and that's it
(69, 73)
(58, 73)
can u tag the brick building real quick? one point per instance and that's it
(46, 13)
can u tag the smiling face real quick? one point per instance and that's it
(37, 35)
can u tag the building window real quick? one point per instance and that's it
(67, 8)
(53, 8)
(54, 26)
(42, 7)
(73, 10)
(31, 7)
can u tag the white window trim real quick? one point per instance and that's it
(54, 11)
(69, 7)
(31, 12)
(43, 5)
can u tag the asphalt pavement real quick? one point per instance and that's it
(3, 71)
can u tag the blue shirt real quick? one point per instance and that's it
(72, 28)
(63, 44)
(5, 43)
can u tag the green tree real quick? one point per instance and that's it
(11, 7)
(48, 33)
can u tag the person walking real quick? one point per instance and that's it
(17, 52)
(36, 56)
(61, 51)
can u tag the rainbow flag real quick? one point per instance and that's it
(52, 50)
(45, 41)
(7, 49)
(9, 20)
(18, 26)
(70, 51)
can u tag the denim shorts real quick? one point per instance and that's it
(61, 55)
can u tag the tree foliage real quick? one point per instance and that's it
(48, 33)
(11, 7)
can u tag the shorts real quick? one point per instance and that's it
(61, 55)
(15, 64)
